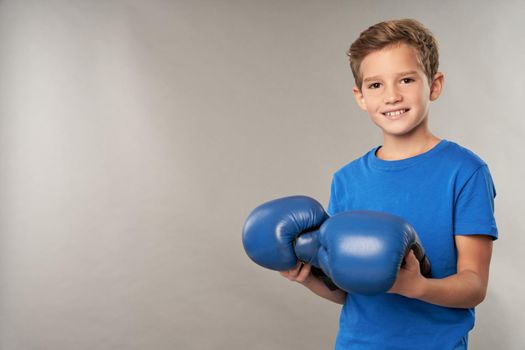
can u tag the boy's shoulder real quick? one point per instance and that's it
(462, 157)
(356, 163)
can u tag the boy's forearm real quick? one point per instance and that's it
(318, 287)
(462, 290)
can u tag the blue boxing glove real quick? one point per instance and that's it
(362, 251)
(271, 230)
(280, 232)
(306, 248)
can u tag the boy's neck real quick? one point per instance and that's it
(402, 147)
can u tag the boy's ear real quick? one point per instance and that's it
(437, 86)
(359, 99)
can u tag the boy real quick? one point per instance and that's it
(444, 190)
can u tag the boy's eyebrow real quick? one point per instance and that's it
(399, 74)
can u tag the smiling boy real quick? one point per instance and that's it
(396, 93)
(444, 190)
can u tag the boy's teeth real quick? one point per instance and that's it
(398, 112)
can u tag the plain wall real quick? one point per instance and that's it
(135, 137)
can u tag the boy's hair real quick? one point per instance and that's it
(391, 33)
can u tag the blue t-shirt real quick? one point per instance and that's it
(444, 192)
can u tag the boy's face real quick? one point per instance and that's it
(395, 90)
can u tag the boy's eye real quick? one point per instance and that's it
(407, 80)
(374, 86)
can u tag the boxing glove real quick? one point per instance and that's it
(362, 251)
(306, 247)
(270, 232)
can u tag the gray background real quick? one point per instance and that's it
(135, 137)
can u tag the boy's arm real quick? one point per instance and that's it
(465, 289)
(302, 274)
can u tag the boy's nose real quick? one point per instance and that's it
(392, 98)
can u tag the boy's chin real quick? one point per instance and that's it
(392, 130)
(401, 129)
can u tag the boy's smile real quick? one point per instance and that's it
(395, 114)
(395, 90)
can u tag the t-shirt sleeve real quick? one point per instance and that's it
(474, 208)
